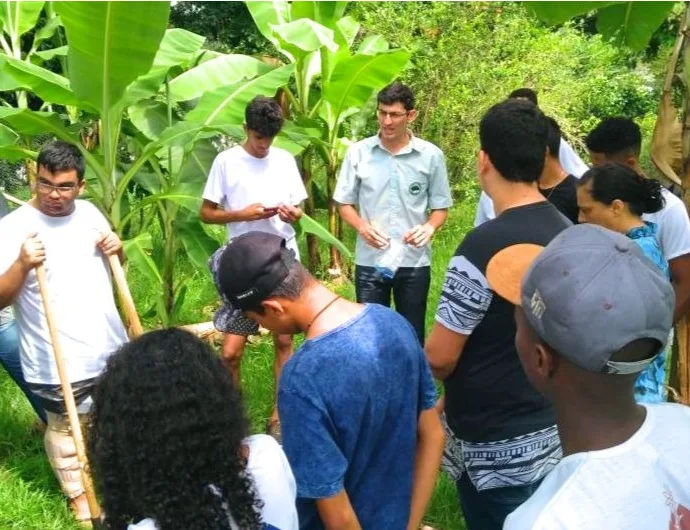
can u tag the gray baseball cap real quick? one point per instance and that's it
(592, 291)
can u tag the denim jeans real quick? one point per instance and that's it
(9, 358)
(488, 509)
(410, 289)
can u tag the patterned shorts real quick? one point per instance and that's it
(229, 319)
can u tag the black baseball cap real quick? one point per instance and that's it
(252, 266)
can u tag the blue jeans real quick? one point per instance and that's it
(9, 358)
(410, 289)
(488, 509)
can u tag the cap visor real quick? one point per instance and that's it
(508, 267)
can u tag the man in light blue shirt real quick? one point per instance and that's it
(393, 189)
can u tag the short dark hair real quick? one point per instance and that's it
(396, 92)
(294, 283)
(613, 181)
(58, 156)
(553, 140)
(513, 134)
(264, 116)
(614, 136)
(526, 93)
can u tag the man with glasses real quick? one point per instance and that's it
(393, 189)
(71, 238)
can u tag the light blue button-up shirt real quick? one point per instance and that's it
(394, 192)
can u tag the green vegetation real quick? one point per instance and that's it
(151, 142)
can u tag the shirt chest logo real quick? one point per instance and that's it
(415, 188)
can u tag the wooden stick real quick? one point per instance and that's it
(125, 296)
(70, 404)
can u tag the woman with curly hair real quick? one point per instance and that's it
(616, 197)
(168, 444)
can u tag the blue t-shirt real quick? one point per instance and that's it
(349, 401)
(650, 386)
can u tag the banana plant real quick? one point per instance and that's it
(330, 82)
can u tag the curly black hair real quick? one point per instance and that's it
(264, 116)
(167, 425)
(396, 92)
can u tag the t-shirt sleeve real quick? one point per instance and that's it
(347, 187)
(298, 192)
(214, 189)
(12, 240)
(439, 188)
(427, 388)
(309, 442)
(570, 160)
(674, 231)
(465, 295)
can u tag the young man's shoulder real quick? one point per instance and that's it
(426, 146)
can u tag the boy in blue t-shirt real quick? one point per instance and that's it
(356, 401)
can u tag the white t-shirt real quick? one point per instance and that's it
(673, 226)
(570, 161)
(237, 179)
(641, 484)
(80, 288)
(274, 482)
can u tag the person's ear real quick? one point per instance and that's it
(483, 162)
(81, 186)
(411, 116)
(546, 363)
(617, 207)
(273, 307)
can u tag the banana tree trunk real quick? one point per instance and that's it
(313, 257)
(335, 259)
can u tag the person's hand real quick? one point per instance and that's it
(373, 236)
(109, 244)
(420, 235)
(288, 213)
(257, 211)
(32, 253)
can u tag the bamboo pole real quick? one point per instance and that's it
(70, 405)
(125, 296)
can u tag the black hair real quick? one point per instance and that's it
(167, 426)
(613, 181)
(264, 116)
(513, 134)
(294, 283)
(526, 93)
(58, 156)
(396, 92)
(615, 136)
(553, 140)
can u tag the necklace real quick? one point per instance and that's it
(562, 177)
(329, 304)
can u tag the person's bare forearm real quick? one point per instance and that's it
(218, 216)
(437, 218)
(430, 444)
(11, 283)
(336, 513)
(349, 214)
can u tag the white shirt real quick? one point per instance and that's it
(274, 482)
(570, 161)
(673, 226)
(641, 484)
(237, 179)
(80, 288)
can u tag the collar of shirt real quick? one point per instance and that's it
(413, 145)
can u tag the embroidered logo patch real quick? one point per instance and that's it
(415, 188)
(537, 305)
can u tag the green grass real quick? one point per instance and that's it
(29, 495)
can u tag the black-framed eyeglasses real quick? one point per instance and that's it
(382, 114)
(47, 188)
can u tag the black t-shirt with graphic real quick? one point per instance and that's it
(564, 197)
(488, 396)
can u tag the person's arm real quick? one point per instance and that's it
(336, 513)
(431, 439)
(680, 278)
(465, 299)
(12, 280)
(211, 213)
(443, 349)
